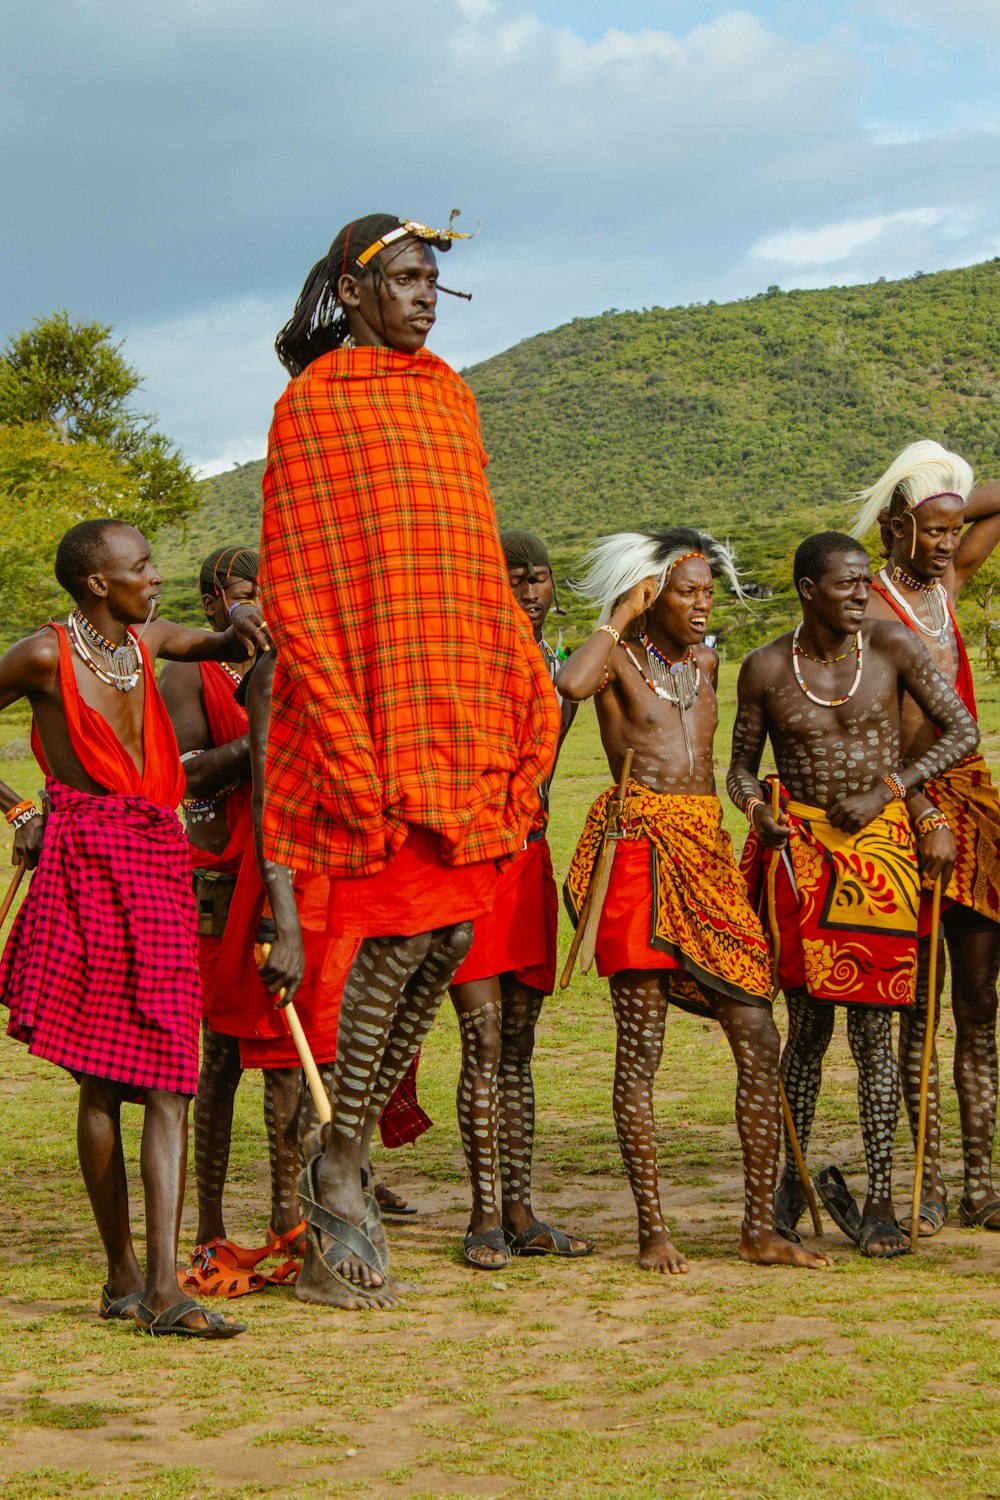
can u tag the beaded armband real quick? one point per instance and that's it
(895, 785)
(752, 802)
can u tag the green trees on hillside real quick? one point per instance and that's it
(72, 447)
(754, 419)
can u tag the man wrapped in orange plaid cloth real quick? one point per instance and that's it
(413, 720)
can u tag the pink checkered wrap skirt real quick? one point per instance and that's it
(100, 969)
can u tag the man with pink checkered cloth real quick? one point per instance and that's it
(100, 972)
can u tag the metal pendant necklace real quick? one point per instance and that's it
(119, 667)
(676, 682)
(825, 702)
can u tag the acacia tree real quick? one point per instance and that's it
(71, 448)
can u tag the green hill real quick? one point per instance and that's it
(753, 419)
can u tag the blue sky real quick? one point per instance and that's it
(175, 168)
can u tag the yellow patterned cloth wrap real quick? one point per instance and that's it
(701, 914)
(858, 902)
(968, 798)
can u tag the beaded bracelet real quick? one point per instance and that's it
(30, 812)
(895, 785)
(231, 609)
(753, 802)
(612, 632)
(22, 807)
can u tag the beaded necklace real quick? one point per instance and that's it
(918, 585)
(119, 667)
(231, 672)
(935, 592)
(825, 702)
(676, 682)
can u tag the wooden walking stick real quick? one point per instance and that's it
(925, 1066)
(8, 900)
(585, 938)
(302, 1047)
(786, 1109)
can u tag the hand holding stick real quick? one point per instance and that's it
(786, 1110)
(925, 1066)
(319, 1097)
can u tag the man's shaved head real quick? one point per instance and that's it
(82, 552)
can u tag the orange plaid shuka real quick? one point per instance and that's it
(408, 688)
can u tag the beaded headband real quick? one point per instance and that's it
(441, 238)
(938, 495)
(684, 558)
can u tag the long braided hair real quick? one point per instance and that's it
(319, 322)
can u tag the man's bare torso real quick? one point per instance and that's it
(632, 714)
(122, 712)
(825, 753)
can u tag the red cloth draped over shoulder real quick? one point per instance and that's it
(408, 690)
(101, 753)
(226, 721)
(964, 683)
(235, 1002)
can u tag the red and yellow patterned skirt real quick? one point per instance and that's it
(676, 900)
(847, 906)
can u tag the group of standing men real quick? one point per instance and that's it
(365, 786)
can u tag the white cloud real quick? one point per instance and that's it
(182, 165)
(833, 242)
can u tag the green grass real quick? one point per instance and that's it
(548, 1380)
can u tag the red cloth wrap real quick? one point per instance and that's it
(317, 1004)
(415, 892)
(227, 721)
(99, 750)
(846, 904)
(234, 1001)
(519, 935)
(99, 969)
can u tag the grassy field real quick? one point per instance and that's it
(549, 1379)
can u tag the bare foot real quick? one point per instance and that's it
(349, 1282)
(658, 1253)
(768, 1248)
(392, 1284)
(317, 1283)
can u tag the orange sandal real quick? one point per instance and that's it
(222, 1269)
(291, 1244)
